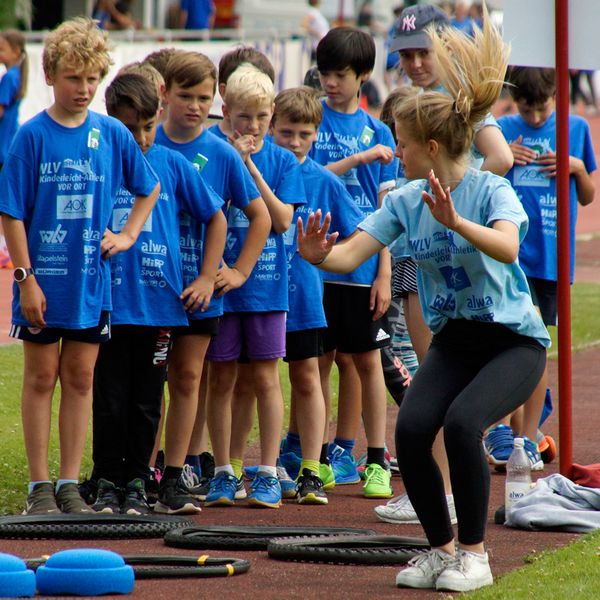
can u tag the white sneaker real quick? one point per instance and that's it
(470, 572)
(400, 510)
(424, 570)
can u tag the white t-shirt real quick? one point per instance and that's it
(318, 25)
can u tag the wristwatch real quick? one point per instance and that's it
(20, 274)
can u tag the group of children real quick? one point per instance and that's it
(150, 247)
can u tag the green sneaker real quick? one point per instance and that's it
(326, 476)
(377, 482)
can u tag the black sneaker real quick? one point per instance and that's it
(310, 489)
(88, 490)
(136, 502)
(174, 498)
(207, 465)
(41, 500)
(152, 487)
(69, 501)
(199, 491)
(108, 499)
(160, 461)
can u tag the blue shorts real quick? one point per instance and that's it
(51, 335)
(252, 336)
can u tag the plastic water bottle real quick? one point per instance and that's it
(518, 475)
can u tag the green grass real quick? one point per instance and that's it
(571, 572)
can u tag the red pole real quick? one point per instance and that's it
(565, 388)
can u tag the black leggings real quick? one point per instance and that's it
(473, 375)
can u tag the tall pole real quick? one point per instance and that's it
(565, 384)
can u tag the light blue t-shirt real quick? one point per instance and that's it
(341, 135)
(266, 288)
(455, 280)
(9, 123)
(147, 279)
(325, 191)
(222, 169)
(62, 183)
(538, 255)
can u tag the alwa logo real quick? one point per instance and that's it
(199, 162)
(93, 141)
(456, 279)
(366, 137)
(56, 236)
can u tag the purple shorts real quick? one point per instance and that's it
(252, 336)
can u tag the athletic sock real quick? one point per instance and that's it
(267, 469)
(324, 458)
(61, 482)
(225, 469)
(171, 473)
(238, 466)
(377, 456)
(347, 445)
(292, 443)
(32, 484)
(311, 465)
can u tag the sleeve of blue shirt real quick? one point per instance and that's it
(9, 85)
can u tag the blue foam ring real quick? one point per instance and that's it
(16, 580)
(85, 572)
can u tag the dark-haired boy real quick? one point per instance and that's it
(531, 135)
(360, 150)
(149, 299)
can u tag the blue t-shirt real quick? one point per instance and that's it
(266, 288)
(147, 279)
(198, 13)
(62, 183)
(455, 280)
(341, 135)
(325, 191)
(9, 123)
(223, 170)
(537, 254)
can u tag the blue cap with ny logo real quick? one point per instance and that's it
(411, 25)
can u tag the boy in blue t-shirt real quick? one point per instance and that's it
(12, 86)
(360, 150)
(190, 81)
(531, 135)
(253, 325)
(295, 122)
(149, 300)
(58, 188)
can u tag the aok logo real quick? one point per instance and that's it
(56, 236)
(74, 207)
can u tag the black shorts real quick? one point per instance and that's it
(543, 294)
(209, 326)
(303, 344)
(350, 325)
(51, 335)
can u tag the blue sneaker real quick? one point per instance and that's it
(265, 491)
(288, 485)
(498, 444)
(533, 454)
(250, 471)
(343, 465)
(291, 462)
(222, 490)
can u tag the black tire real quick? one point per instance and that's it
(355, 550)
(247, 538)
(163, 566)
(97, 526)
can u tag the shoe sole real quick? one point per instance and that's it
(132, 512)
(241, 495)
(381, 495)
(223, 501)
(414, 583)
(107, 511)
(463, 585)
(288, 494)
(347, 481)
(312, 499)
(262, 504)
(187, 509)
(397, 521)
